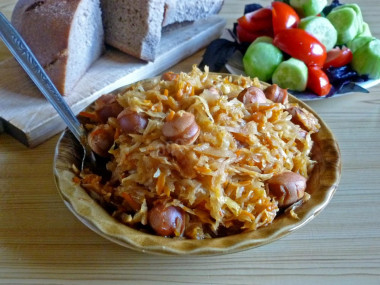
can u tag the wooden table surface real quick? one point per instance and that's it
(41, 242)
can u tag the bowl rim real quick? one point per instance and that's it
(134, 239)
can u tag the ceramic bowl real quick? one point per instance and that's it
(321, 185)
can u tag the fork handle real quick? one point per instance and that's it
(30, 64)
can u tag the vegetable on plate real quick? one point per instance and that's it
(258, 20)
(283, 16)
(338, 57)
(322, 29)
(318, 82)
(346, 23)
(366, 59)
(300, 44)
(262, 58)
(306, 44)
(308, 7)
(291, 73)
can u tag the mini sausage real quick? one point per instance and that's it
(107, 106)
(252, 95)
(101, 139)
(131, 121)
(166, 221)
(276, 94)
(303, 118)
(182, 128)
(287, 188)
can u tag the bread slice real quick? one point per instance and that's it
(132, 26)
(135, 27)
(66, 36)
(177, 11)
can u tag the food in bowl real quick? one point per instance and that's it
(199, 155)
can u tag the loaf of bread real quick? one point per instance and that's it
(135, 27)
(66, 36)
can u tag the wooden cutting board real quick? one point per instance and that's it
(29, 117)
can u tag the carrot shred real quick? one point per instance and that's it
(202, 169)
(245, 183)
(247, 215)
(172, 103)
(76, 180)
(160, 183)
(240, 137)
(117, 133)
(170, 115)
(91, 115)
(157, 107)
(167, 191)
(275, 115)
(131, 202)
(192, 91)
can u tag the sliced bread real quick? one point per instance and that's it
(135, 27)
(177, 11)
(65, 35)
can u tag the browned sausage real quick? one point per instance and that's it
(170, 76)
(101, 139)
(107, 106)
(252, 95)
(131, 121)
(276, 94)
(166, 221)
(182, 128)
(287, 187)
(303, 118)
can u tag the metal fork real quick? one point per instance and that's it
(30, 64)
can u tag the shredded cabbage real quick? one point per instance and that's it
(219, 180)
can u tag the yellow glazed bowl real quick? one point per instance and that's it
(321, 186)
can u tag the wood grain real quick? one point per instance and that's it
(41, 242)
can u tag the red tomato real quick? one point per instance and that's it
(317, 81)
(283, 17)
(338, 57)
(301, 45)
(258, 20)
(248, 37)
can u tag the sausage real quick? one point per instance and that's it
(182, 128)
(276, 94)
(303, 118)
(252, 95)
(101, 139)
(107, 106)
(166, 221)
(131, 121)
(287, 188)
(170, 76)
